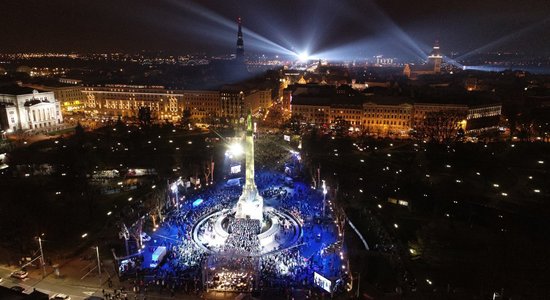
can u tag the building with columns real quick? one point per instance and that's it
(23, 108)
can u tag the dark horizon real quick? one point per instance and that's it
(345, 28)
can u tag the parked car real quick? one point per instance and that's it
(20, 274)
(60, 297)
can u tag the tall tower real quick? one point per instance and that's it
(240, 44)
(250, 204)
(435, 58)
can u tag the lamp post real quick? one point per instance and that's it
(42, 261)
(358, 284)
(324, 197)
(98, 262)
(174, 189)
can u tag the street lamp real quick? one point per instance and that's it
(324, 196)
(98, 262)
(42, 261)
(235, 149)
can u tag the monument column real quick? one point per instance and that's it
(250, 204)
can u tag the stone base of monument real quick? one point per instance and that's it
(280, 231)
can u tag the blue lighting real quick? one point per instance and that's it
(197, 202)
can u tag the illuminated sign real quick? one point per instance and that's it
(322, 282)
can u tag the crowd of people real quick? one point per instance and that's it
(234, 268)
(243, 237)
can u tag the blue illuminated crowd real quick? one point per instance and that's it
(291, 267)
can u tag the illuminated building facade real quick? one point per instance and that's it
(324, 105)
(473, 118)
(232, 103)
(23, 108)
(203, 105)
(126, 100)
(165, 104)
(388, 115)
(237, 100)
(384, 61)
(70, 97)
(255, 100)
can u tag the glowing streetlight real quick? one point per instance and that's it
(236, 149)
(324, 196)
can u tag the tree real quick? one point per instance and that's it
(144, 116)
(186, 117)
(294, 124)
(440, 126)
(79, 130)
(341, 126)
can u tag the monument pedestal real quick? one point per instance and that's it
(250, 204)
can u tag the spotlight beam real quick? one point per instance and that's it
(220, 20)
(506, 38)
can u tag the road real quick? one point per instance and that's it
(49, 285)
(79, 289)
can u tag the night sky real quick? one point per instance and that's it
(316, 26)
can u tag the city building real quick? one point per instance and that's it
(232, 102)
(112, 101)
(326, 105)
(395, 116)
(431, 67)
(236, 100)
(24, 108)
(70, 96)
(386, 116)
(470, 117)
(257, 99)
(203, 106)
(384, 61)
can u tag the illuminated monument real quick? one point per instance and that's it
(250, 204)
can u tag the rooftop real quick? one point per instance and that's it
(14, 89)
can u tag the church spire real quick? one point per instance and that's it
(240, 43)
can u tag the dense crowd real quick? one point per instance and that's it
(233, 268)
(243, 237)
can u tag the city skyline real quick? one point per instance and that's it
(325, 29)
